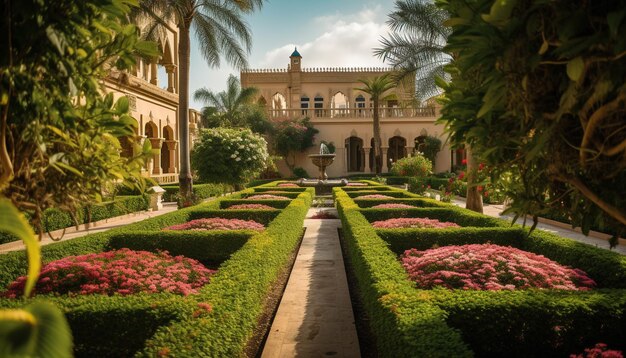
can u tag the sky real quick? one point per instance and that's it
(328, 33)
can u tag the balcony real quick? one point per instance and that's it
(352, 113)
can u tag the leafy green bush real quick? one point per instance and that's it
(300, 172)
(201, 191)
(414, 166)
(230, 156)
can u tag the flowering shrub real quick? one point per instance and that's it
(267, 197)
(415, 166)
(218, 224)
(227, 155)
(599, 351)
(374, 196)
(422, 223)
(393, 206)
(275, 192)
(287, 185)
(250, 207)
(323, 215)
(356, 184)
(490, 267)
(121, 272)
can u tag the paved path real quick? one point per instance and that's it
(315, 316)
(495, 210)
(100, 226)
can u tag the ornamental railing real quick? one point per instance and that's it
(348, 113)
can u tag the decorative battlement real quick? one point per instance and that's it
(322, 70)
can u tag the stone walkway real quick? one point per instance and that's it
(315, 316)
(495, 210)
(100, 226)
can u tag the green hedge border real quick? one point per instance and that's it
(164, 323)
(436, 323)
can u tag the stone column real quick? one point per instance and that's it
(156, 157)
(171, 146)
(171, 72)
(366, 167)
(385, 160)
(153, 74)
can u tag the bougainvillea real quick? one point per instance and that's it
(266, 197)
(422, 223)
(288, 185)
(393, 206)
(121, 272)
(599, 351)
(323, 215)
(250, 207)
(356, 184)
(374, 196)
(218, 224)
(490, 267)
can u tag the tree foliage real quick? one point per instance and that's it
(59, 142)
(233, 108)
(293, 136)
(430, 148)
(228, 155)
(540, 93)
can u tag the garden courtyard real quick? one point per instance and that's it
(466, 199)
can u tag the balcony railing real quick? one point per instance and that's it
(347, 113)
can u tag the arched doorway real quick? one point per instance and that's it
(355, 154)
(167, 157)
(419, 143)
(379, 161)
(151, 131)
(127, 143)
(397, 150)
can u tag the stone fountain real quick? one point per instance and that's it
(322, 185)
(322, 160)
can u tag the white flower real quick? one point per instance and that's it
(237, 159)
(233, 156)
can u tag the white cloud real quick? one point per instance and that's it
(345, 41)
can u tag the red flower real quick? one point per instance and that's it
(464, 161)
(461, 175)
(481, 166)
(480, 188)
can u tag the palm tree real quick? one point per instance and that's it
(415, 47)
(376, 87)
(221, 31)
(227, 108)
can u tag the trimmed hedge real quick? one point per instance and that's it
(201, 191)
(451, 214)
(55, 219)
(278, 204)
(261, 216)
(153, 325)
(490, 323)
(286, 194)
(420, 203)
(278, 188)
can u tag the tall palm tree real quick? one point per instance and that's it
(376, 87)
(220, 30)
(415, 47)
(228, 107)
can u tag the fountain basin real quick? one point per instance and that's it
(322, 161)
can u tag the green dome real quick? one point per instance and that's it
(295, 53)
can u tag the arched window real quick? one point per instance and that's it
(167, 159)
(355, 154)
(318, 104)
(279, 101)
(397, 150)
(338, 104)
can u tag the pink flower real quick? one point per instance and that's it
(357, 184)
(250, 207)
(218, 224)
(267, 197)
(412, 223)
(121, 272)
(374, 196)
(489, 267)
(599, 351)
(393, 206)
(288, 185)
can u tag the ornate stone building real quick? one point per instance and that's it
(152, 88)
(343, 114)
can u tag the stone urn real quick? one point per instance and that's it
(322, 161)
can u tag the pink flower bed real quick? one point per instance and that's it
(267, 197)
(374, 196)
(275, 192)
(250, 207)
(121, 272)
(407, 223)
(490, 267)
(357, 184)
(218, 224)
(599, 351)
(393, 206)
(287, 185)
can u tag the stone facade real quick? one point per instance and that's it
(343, 115)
